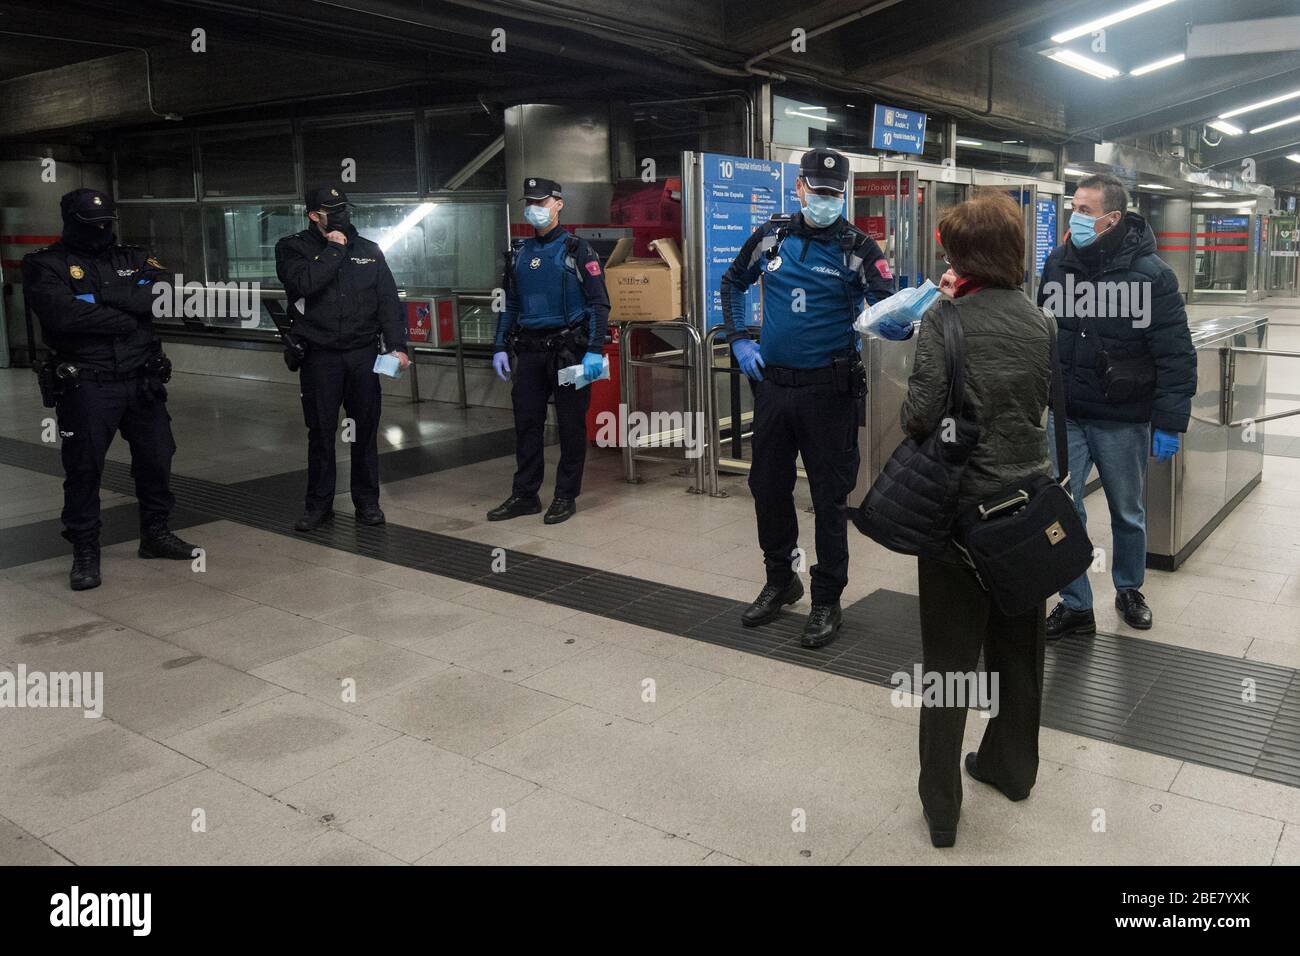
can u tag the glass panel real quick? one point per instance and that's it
(159, 166)
(247, 162)
(170, 234)
(985, 147)
(1221, 242)
(454, 139)
(437, 244)
(242, 238)
(662, 131)
(383, 152)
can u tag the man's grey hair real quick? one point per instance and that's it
(1114, 197)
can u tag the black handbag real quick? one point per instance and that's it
(911, 507)
(1027, 542)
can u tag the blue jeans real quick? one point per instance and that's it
(1119, 450)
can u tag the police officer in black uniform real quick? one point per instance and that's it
(808, 380)
(107, 374)
(345, 311)
(556, 314)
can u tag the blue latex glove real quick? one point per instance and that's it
(896, 330)
(1164, 445)
(501, 362)
(751, 361)
(86, 297)
(593, 366)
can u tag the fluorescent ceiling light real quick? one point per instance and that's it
(1211, 195)
(1251, 107)
(1159, 64)
(1268, 126)
(1011, 141)
(1081, 62)
(1294, 157)
(1232, 204)
(811, 119)
(1094, 25)
(1224, 127)
(970, 142)
(1071, 171)
(1153, 186)
(406, 225)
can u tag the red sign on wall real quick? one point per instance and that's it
(417, 322)
(873, 226)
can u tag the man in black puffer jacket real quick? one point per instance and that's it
(1130, 374)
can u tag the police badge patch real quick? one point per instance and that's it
(76, 272)
(151, 261)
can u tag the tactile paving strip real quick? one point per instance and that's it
(1174, 701)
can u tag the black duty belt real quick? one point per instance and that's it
(546, 340)
(794, 377)
(100, 375)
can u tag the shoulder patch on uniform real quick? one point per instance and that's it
(593, 267)
(882, 266)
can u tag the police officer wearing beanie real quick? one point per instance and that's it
(345, 310)
(107, 374)
(556, 314)
(808, 380)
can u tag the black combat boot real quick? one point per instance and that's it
(822, 626)
(85, 563)
(158, 542)
(514, 507)
(769, 602)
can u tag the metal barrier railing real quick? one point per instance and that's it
(1229, 371)
(693, 394)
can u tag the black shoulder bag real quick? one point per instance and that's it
(1027, 542)
(912, 505)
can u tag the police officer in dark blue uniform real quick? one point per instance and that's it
(107, 374)
(345, 309)
(809, 382)
(556, 314)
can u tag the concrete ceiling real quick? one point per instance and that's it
(934, 54)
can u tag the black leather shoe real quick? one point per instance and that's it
(373, 515)
(938, 836)
(972, 768)
(769, 602)
(513, 507)
(85, 566)
(561, 509)
(823, 624)
(1063, 622)
(158, 542)
(311, 520)
(1133, 606)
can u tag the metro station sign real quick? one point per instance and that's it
(897, 130)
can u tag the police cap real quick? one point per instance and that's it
(535, 187)
(326, 196)
(88, 205)
(825, 169)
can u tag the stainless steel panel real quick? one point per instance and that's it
(570, 144)
(1246, 445)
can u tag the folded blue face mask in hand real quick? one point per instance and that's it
(388, 365)
(592, 368)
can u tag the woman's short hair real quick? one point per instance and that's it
(984, 239)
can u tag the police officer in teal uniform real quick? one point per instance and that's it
(809, 382)
(556, 315)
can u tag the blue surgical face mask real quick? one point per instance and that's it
(539, 217)
(821, 211)
(1083, 229)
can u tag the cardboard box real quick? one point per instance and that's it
(644, 289)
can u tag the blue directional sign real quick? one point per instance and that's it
(896, 130)
(1045, 232)
(740, 194)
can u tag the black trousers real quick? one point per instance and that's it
(330, 379)
(533, 383)
(957, 619)
(89, 417)
(820, 425)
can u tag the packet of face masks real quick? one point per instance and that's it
(572, 375)
(388, 365)
(905, 305)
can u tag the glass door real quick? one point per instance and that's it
(1283, 257)
(885, 208)
(939, 197)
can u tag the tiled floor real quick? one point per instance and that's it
(297, 704)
